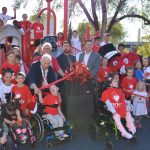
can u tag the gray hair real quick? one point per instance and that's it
(47, 44)
(46, 56)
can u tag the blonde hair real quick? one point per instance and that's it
(139, 83)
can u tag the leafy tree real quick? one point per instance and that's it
(117, 34)
(116, 9)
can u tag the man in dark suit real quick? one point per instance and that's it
(66, 59)
(90, 58)
(40, 73)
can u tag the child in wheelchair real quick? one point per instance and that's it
(114, 99)
(16, 122)
(53, 111)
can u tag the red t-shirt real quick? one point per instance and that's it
(25, 25)
(128, 86)
(55, 64)
(38, 30)
(50, 100)
(25, 95)
(95, 48)
(116, 97)
(103, 73)
(15, 67)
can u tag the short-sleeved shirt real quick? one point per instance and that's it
(14, 67)
(25, 25)
(95, 48)
(5, 17)
(38, 30)
(4, 89)
(116, 97)
(51, 100)
(128, 85)
(103, 73)
(147, 72)
(25, 95)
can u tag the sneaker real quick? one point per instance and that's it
(133, 132)
(128, 135)
(65, 135)
(147, 116)
(61, 138)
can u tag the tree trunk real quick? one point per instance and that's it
(104, 16)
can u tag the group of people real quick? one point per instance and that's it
(121, 91)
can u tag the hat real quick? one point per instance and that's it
(108, 51)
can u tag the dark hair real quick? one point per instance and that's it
(11, 106)
(75, 31)
(7, 70)
(121, 44)
(109, 80)
(18, 57)
(129, 68)
(97, 38)
(66, 42)
(38, 17)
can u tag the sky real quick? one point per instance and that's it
(131, 27)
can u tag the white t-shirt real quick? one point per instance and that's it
(147, 72)
(5, 18)
(3, 90)
(75, 42)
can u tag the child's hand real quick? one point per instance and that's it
(63, 117)
(3, 140)
(13, 122)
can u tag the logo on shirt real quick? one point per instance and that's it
(131, 86)
(116, 98)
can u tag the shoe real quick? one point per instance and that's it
(65, 135)
(61, 138)
(147, 116)
(128, 135)
(133, 132)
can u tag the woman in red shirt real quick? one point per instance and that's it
(114, 99)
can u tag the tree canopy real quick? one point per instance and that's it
(100, 10)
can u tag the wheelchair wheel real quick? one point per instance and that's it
(94, 132)
(7, 147)
(37, 127)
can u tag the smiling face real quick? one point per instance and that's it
(54, 90)
(7, 78)
(11, 58)
(130, 73)
(20, 79)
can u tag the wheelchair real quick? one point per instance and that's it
(103, 123)
(16, 142)
(42, 127)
